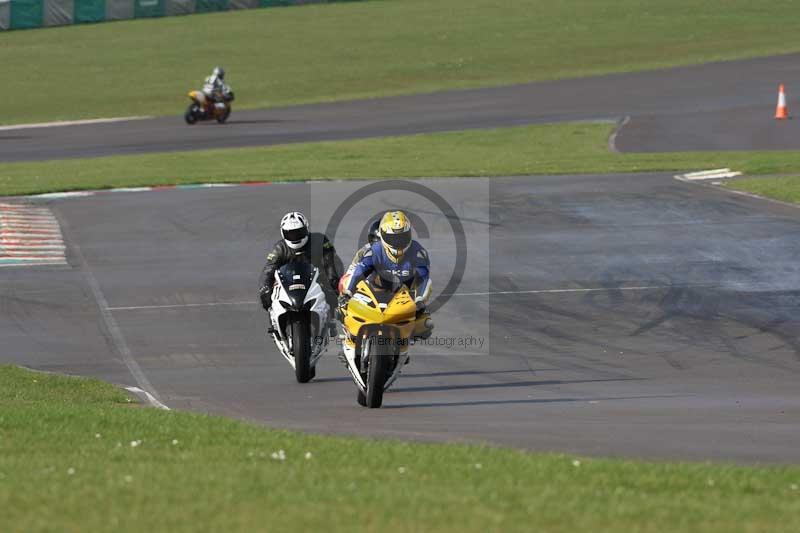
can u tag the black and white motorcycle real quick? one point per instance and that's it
(299, 317)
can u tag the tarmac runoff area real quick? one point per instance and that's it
(631, 315)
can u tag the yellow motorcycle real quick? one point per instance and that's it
(378, 325)
(203, 108)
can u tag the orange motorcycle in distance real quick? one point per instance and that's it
(202, 108)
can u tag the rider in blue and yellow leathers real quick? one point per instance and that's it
(395, 257)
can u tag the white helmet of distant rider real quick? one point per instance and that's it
(294, 230)
(219, 72)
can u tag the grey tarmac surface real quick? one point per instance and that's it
(626, 315)
(721, 106)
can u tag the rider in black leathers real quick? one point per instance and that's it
(298, 245)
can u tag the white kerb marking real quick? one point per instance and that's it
(718, 173)
(152, 400)
(63, 194)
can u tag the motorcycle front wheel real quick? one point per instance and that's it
(224, 116)
(379, 356)
(301, 349)
(190, 117)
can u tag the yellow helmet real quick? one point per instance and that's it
(395, 230)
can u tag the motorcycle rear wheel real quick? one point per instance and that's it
(301, 349)
(190, 116)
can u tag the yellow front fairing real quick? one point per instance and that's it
(371, 306)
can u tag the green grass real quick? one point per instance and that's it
(542, 149)
(786, 189)
(366, 49)
(67, 464)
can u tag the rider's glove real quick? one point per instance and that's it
(421, 307)
(344, 298)
(266, 299)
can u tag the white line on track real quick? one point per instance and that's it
(56, 195)
(612, 139)
(490, 293)
(69, 123)
(718, 173)
(152, 400)
(180, 306)
(556, 291)
(114, 331)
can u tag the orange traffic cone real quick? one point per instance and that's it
(781, 112)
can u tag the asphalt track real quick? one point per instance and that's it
(630, 315)
(676, 336)
(721, 106)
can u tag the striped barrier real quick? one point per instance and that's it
(25, 14)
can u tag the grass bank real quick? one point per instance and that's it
(786, 189)
(365, 49)
(75, 455)
(540, 149)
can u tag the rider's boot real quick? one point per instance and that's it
(423, 328)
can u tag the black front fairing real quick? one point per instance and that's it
(296, 279)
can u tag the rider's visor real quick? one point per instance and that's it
(295, 235)
(398, 241)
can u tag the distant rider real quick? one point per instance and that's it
(215, 89)
(298, 244)
(395, 258)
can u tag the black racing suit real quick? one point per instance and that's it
(319, 251)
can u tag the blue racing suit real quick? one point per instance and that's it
(412, 269)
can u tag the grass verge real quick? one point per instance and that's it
(365, 49)
(786, 189)
(541, 149)
(68, 462)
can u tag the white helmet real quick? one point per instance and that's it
(294, 230)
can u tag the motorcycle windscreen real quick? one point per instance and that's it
(296, 279)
